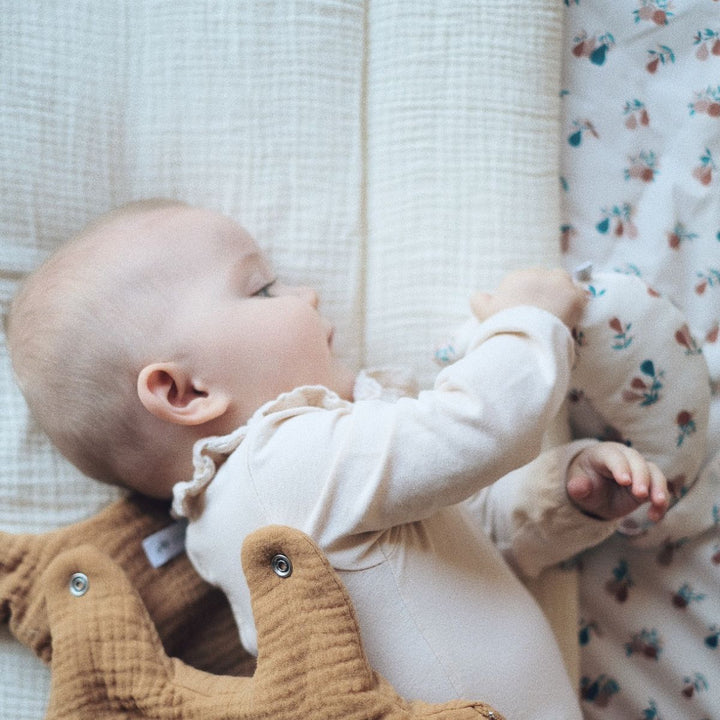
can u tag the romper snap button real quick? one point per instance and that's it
(281, 565)
(79, 584)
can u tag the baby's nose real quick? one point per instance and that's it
(311, 296)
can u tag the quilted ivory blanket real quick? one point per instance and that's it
(395, 154)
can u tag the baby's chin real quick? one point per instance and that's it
(343, 380)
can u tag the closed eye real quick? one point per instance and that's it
(265, 290)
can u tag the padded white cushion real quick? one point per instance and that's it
(462, 161)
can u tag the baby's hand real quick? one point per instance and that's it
(610, 480)
(551, 290)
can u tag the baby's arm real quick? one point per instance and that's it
(371, 465)
(567, 500)
(609, 480)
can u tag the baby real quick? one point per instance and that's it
(160, 352)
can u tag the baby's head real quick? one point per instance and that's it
(159, 324)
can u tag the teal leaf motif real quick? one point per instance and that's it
(648, 368)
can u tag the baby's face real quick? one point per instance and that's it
(239, 328)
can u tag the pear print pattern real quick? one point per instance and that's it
(640, 195)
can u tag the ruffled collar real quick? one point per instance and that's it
(388, 384)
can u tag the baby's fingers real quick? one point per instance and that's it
(643, 478)
(658, 492)
(649, 484)
(624, 466)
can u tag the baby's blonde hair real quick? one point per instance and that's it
(76, 331)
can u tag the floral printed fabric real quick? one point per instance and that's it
(641, 160)
(639, 378)
(641, 195)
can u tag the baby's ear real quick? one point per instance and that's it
(168, 391)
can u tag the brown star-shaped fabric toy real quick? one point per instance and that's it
(125, 640)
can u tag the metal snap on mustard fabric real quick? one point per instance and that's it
(281, 565)
(79, 584)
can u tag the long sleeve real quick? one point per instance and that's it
(528, 516)
(373, 465)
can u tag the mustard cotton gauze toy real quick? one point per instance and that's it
(86, 600)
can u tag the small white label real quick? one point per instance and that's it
(165, 544)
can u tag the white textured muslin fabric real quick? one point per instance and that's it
(396, 155)
(251, 108)
(462, 160)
